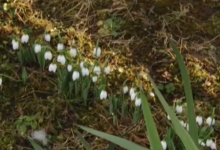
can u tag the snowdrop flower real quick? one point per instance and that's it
(210, 121)
(94, 79)
(47, 37)
(85, 72)
(125, 89)
(164, 144)
(213, 146)
(133, 95)
(48, 55)
(81, 64)
(168, 117)
(183, 123)
(40, 136)
(75, 75)
(201, 143)
(209, 142)
(15, 44)
(131, 91)
(73, 52)
(24, 38)
(199, 120)
(52, 67)
(107, 70)
(137, 102)
(97, 70)
(37, 48)
(187, 126)
(0, 81)
(179, 109)
(103, 95)
(60, 46)
(61, 59)
(69, 68)
(152, 94)
(97, 51)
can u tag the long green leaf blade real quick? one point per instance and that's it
(114, 139)
(84, 142)
(193, 131)
(34, 144)
(150, 125)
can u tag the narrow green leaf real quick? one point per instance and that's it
(111, 147)
(83, 141)
(24, 75)
(114, 139)
(150, 125)
(193, 130)
(34, 144)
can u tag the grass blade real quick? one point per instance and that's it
(150, 125)
(34, 144)
(193, 131)
(83, 141)
(180, 131)
(114, 139)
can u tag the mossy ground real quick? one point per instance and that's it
(141, 43)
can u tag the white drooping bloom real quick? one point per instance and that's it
(107, 70)
(75, 75)
(94, 79)
(97, 51)
(152, 94)
(179, 109)
(97, 70)
(103, 95)
(24, 38)
(132, 94)
(48, 55)
(213, 146)
(0, 81)
(40, 136)
(199, 120)
(47, 37)
(209, 142)
(137, 101)
(69, 67)
(15, 44)
(164, 144)
(210, 121)
(81, 64)
(187, 126)
(182, 123)
(73, 52)
(37, 48)
(125, 89)
(168, 117)
(85, 71)
(201, 143)
(131, 91)
(61, 59)
(52, 67)
(60, 46)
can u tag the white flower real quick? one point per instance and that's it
(47, 37)
(61, 59)
(125, 89)
(48, 55)
(209, 142)
(107, 70)
(131, 91)
(0, 81)
(37, 48)
(213, 146)
(60, 46)
(52, 67)
(85, 71)
(179, 109)
(81, 64)
(24, 38)
(69, 68)
(5, 6)
(97, 70)
(152, 94)
(168, 117)
(75, 75)
(103, 95)
(201, 143)
(210, 121)
(164, 144)
(40, 136)
(187, 126)
(94, 79)
(183, 123)
(199, 120)
(73, 52)
(97, 51)
(133, 95)
(15, 44)
(137, 102)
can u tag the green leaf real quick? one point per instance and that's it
(114, 139)
(34, 144)
(150, 125)
(24, 75)
(193, 130)
(84, 142)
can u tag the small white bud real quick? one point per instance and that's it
(47, 37)
(125, 89)
(48, 55)
(60, 46)
(94, 79)
(37, 48)
(69, 68)
(73, 52)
